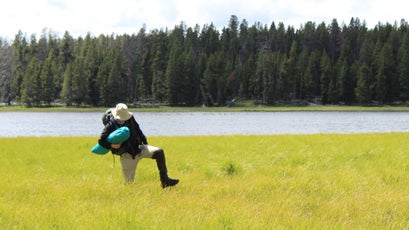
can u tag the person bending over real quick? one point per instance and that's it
(135, 148)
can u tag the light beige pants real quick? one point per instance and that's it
(129, 164)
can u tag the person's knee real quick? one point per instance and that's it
(158, 154)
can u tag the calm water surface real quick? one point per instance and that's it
(205, 123)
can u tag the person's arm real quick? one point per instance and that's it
(109, 128)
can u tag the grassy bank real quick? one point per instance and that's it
(331, 181)
(240, 107)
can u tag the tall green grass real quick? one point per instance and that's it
(331, 181)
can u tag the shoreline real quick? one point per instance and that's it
(321, 108)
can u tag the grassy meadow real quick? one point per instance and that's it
(322, 181)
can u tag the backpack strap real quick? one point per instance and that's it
(113, 121)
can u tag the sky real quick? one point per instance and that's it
(96, 17)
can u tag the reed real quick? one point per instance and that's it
(354, 181)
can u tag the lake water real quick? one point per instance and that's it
(205, 123)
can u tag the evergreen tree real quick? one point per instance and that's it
(158, 86)
(66, 49)
(244, 51)
(18, 66)
(323, 35)
(213, 77)
(312, 75)
(280, 43)
(403, 67)
(5, 72)
(230, 40)
(78, 82)
(174, 76)
(174, 70)
(209, 38)
(302, 64)
(364, 88)
(308, 37)
(112, 73)
(335, 41)
(31, 89)
(48, 72)
(346, 81)
(66, 56)
(292, 71)
(92, 60)
(354, 36)
(66, 91)
(118, 76)
(281, 79)
(384, 75)
(42, 47)
(146, 74)
(366, 77)
(346, 75)
(256, 80)
(159, 63)
(128, 46)
(326, 83)
(191, 80)
(270, 72)
(245, 74)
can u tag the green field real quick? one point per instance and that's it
(322, 181)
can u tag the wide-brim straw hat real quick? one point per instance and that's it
(121, 112)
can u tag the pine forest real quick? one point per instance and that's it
(337, 63)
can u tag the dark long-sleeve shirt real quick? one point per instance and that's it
(130, 146)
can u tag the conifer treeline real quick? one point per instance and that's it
(328, 64)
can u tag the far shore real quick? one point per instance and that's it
(238, 108)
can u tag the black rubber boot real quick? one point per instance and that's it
(159, 156)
